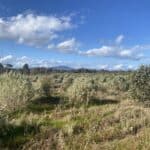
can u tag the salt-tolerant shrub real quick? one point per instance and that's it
(15, 91)
(82, 91)
(140, 84)
(66, 83)
(120, 83)
(45, 87)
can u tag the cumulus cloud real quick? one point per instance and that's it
(51, 46)
(34, 30)
(105, 67)
(67, 46)
(113, 51)
(118, 51)
(123, 67)
(119, 66)
(20, 61)
(7, 59)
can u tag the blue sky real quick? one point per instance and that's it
(101, 34)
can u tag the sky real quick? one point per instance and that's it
(96, 34)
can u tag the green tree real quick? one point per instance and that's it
(140, 84)
(26, 69)
(1, 68)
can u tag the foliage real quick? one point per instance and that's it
(82, 91)
(26, 69)
(120, 83)
(45, 86)
(140, 84)
(15, 91)
(111, 121)
(67, 81)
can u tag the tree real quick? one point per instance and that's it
(140, 84)
(9, 66)
(26, 69)
(1, 68)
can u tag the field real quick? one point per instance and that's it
(75, 111)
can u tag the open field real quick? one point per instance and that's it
(75, 75)
(78, 111)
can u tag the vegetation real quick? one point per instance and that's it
(141, 84)
(82, 91)
(71, 110)
(15, 91)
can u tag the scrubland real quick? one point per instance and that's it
(75, 111)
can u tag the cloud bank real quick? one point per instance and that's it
(20, 61)
(132, 53)
(33, 30)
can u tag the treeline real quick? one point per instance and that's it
(43, 70)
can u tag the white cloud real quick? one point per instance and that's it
(118, 67)
(68, 46)
(105, 67)
(130, 67)
(7, 59)
(20, 61)
(31, 29)
(102, 51)
(119, 39)
(51, 46)
(123, 67)
(114, 51)
(125, 53)
(118, 51)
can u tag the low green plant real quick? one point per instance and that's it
(140, 84)
(45, 86)
(15, 91)
(120, 83)
(82, 91)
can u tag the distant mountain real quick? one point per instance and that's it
(63, 68)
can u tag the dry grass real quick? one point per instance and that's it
(111, 121)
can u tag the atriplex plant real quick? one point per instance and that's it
(140, 84)
(82, 91)
(15, 91)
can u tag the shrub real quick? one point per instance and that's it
(82, 91)
(120, 83)
(140, 84)
(15, 91)
(66, 83)
(45, 86)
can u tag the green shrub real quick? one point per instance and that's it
(120, 83)
(82, 91)
(140, 84)
(66, 83)
(45, 86)
(15, 91)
